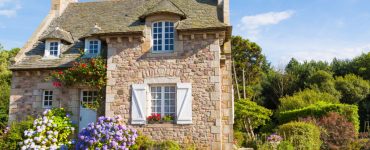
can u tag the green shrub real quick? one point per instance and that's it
(303, 135)
(350, 112)
(146, 143)
(285, 145)
(239, 137)
(143, 143)
(170, 145)
(265, 146)
(15, 134)
(304, 99)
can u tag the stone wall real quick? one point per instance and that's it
(196, 60)
(26, 95)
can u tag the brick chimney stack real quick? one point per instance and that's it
(58, 6)
(224, 6)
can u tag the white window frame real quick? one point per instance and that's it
(47, 49)
(88, 96)
(87, 47)
(49, 99)
(163, 92)
(163, 40)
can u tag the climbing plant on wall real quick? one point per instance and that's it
(84, 72)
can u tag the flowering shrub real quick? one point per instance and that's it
(51, 131)
(88, 72)
(107, 134)
(274, 138)
(13, 134)
(154, 118)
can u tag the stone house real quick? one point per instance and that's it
(171, 57)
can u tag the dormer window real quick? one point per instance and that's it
(163, 37)
(52, 48)
(92, 47)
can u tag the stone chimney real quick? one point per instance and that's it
(224, 10)
(58, 6)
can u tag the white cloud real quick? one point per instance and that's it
(326, 55)
(9, 8)
(252, 24)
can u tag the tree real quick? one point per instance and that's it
(249, 116)
(249, 65)
(275, 85)
(5, 78)
(323, 81)
(361, 66)
(303, 71)
(353, 88)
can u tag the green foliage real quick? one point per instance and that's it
(15, 134)
(303, 71)
(285, 145)
(146, 143)
(350, 112)
(5, 78)
(304, 99)
(302, 135)
(323, 81)
(172, 145)
(88, 72)
(364, 112)
(248, 56)
(240, 138)
(143, 143)
(246, 109)
(275, 85)
(359, 66)
(353, 88)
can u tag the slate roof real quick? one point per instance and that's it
(165, 6)
(85, 19)
(59, 34)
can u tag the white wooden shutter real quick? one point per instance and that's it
(184, 103)
(138, 108)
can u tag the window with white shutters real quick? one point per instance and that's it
(166, 100)
(163, 100)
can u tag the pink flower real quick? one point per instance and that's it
(57, 84)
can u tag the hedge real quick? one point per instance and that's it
(302, 135)
(320, 109)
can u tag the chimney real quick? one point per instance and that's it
(224, 7)
(58, 6)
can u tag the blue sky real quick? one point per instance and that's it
(315, 29)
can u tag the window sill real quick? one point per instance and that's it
(162, 54)
(90, 55)
(161, 125)
(50, 57)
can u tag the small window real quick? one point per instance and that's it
(88, 97)
(54, 49)
(92, 47)
(163, 37)
(163, 100)
(47, 99)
